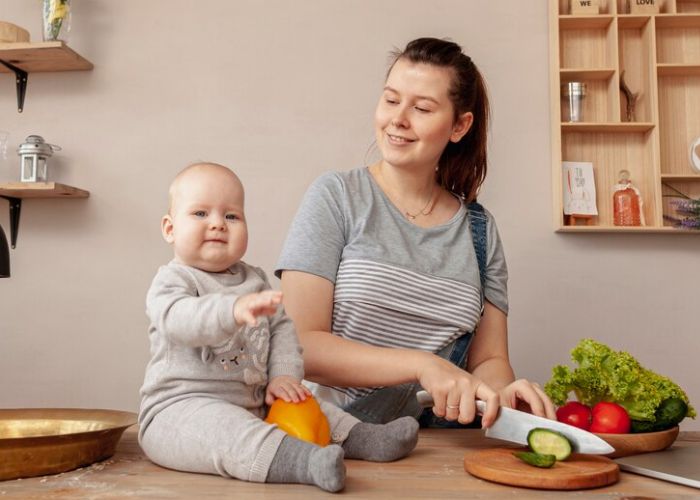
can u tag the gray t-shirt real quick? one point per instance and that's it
(396, 284)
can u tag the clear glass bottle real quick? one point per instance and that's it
(56, 20)
(627, 202)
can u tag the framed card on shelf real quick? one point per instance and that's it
(578, 184)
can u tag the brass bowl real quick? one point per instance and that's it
(642, 442)
(40, 441)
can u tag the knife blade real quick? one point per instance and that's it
(514, 426)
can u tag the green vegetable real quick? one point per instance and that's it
(549, 442)
(607, 375)
(669, 413)
(639, 426)
(536, 459)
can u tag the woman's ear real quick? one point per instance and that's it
(462, 126)
(166, 228)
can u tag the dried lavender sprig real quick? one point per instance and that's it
(690, 224)
(690, 207)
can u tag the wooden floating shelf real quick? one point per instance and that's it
(42, 57)
(25, 190)
(25, 57)
(622, 127)
(15, 192)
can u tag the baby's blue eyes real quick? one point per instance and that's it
(201, 214)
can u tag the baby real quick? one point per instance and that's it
(222, 350)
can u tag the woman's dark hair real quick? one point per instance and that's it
(462, 166)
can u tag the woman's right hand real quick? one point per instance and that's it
(455, 391)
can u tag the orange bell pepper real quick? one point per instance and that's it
(303, 420)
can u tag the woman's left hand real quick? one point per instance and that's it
(527, 396)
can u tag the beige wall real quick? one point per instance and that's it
(283, 91)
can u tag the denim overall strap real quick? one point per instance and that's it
(458, 356)
(389, 403)
(477, 224)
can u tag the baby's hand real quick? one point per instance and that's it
(287, 388)
(248, 307)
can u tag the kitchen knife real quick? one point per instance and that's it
(514, 425)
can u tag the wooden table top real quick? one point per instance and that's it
(433, 470)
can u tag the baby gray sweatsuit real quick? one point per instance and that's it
(203, 396)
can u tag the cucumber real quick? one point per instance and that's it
(536, 459)
(640, 426)
(669, 413)
(549, 442)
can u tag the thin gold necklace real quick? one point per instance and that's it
(428, 205)
(423, 212)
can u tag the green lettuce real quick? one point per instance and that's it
(607, 375)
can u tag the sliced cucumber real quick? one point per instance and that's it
(549, 442)
(536, 459)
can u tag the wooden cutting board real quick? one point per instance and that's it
(576, 472)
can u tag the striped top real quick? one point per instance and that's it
(396, 284)
(387, 306)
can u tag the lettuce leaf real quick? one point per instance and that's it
(607, 375)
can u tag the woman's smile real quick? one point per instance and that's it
(398, 140)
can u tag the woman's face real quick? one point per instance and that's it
(414, 119)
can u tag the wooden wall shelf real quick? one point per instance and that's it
(24, 58)
(678, 69)
(613, 127)
(41, 190)
(42, 57)
(632, 21)
(584, 22)
(571, 74)
(15, 192)
(681, 177)
(660, 55)
(628, 230)
(675, 21)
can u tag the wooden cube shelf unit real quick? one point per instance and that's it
(659, 54)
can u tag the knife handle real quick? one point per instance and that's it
(426, 401)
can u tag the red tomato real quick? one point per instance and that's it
(576, 414)
(610, 418)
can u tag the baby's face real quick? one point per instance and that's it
(206, 224)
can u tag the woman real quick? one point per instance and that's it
(380, 271)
